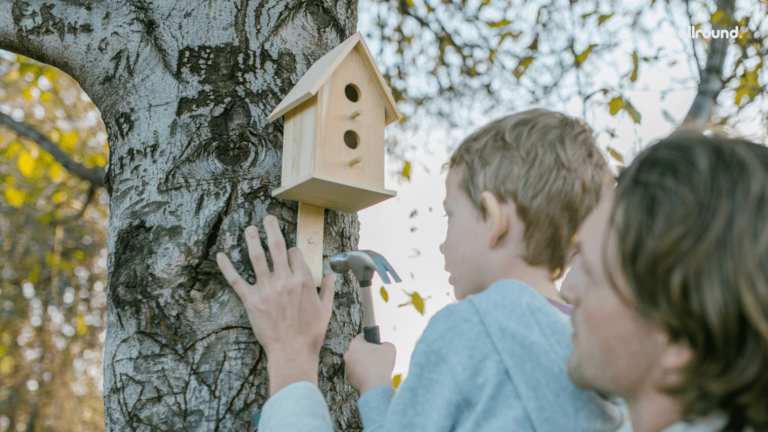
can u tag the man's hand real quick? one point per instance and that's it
(368, 365)
(287, 316)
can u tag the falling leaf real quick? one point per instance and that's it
(14, 197)
(384, 294)
(583, 56)
(616, 155)
(413, 229)
(80, 255)
(416, 300)
(414, 214)
(616, 104)
(396, 380)
(81, 328)
(26, 164)
(406, 170)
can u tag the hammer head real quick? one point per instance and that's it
(363, 264)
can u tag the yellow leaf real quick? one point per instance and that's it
(54, 170)
(406, 170)
(6, 366)
(616, 155)
(81, 328)
(3, 349)
(98, 159)
(14, 197)
(54, 136)
(26, 164)
(633, 77)
(583, 56)
(717, 16)
(632, 112)
(384, 294)
(12, 149)
(68, 141)
(50, 73)
(396, 380)
(416, 300)
(59, 197)
(616, 104)
(46, 97)
(80, 255)
(27, 94)
(498, 24)
(602, 18)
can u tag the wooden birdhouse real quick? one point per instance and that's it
(333, 141)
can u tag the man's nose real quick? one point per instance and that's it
(441, 248)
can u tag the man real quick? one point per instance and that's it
(670, 288)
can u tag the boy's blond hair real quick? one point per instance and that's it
(548, 164)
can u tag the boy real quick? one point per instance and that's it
(517, 190)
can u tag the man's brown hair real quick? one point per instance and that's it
(691, 218)
(548, 164)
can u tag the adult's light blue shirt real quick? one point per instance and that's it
(493, 362)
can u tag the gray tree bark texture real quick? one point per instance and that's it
(184, 88)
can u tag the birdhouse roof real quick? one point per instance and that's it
(319, 73)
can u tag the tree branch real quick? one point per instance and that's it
(78, 215)
(94, 175)
(711, 79)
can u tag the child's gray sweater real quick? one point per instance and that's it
(494, 362)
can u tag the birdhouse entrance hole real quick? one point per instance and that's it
(351, 139)
(352, 92)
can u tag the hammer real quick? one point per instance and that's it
(363, 264)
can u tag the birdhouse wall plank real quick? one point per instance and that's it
(299, 134)
(332, 154)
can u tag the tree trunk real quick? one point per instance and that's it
(184, 89)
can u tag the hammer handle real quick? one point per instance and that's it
(371, 335)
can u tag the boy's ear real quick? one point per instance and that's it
(499, 219)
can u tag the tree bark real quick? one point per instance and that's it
(184, 89)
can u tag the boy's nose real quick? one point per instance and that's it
(441, 248)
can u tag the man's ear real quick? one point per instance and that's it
(499, 219)
(675, 356)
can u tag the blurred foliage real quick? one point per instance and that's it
(52, 276)
(510, 54)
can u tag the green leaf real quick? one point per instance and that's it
(498, 24)
(616, 155)
(384, 294)
(583, 56)
(602, 18)
(396, 380)
(615, 105)
(633, 77)
(406, 170)
(632, 112)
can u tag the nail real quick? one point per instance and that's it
(220, 256)
(251, 230)
(269, 218)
